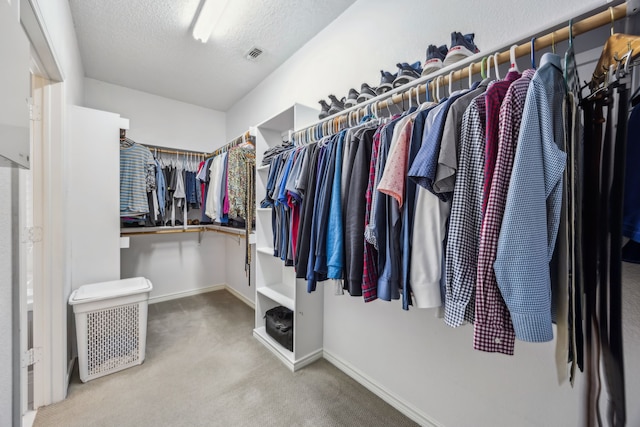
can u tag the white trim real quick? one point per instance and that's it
(380, 391)
(183, 294)
(240, 296)
(29, 418)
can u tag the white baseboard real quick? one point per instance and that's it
(381, 391)
(241, 297)
(182, 294)
(219, 287)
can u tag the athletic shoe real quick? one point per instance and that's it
(352, 98)
(336, 105)
(435, 56)
(386, 82)
(406, 73)
(461, 47)
(324, 112)
(366, 93)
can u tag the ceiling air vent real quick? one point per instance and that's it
(253, 53)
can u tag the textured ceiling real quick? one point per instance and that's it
(147, 44)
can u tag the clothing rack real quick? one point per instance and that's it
(246, 137)
(458, 71)
(157, 149)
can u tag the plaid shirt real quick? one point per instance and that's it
(370, 261)
(493, 330)
(466, 217)
(494, 96)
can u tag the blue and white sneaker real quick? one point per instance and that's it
(406, 73)
(386, 82)
(461, 47)
(435, 56)
(352, 98)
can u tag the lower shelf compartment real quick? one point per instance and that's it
(283, 354)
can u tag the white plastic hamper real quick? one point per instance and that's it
(111, 325)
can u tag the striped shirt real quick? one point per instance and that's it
(134, 161)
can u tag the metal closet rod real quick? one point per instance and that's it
(592, 22)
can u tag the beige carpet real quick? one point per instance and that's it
(204, 368)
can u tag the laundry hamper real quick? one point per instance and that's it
(111, 325)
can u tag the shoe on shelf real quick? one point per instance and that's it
(366, 93)
(336, 106)
(435, 56)
(461, 47)
(324, 112)
(352, 98)
(386, 82)
(406, 73)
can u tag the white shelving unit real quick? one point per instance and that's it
(276, 284)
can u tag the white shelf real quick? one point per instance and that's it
(265, 250)
(280, 293)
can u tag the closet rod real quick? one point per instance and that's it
(592, 22)
(181, 152)
(245, 137)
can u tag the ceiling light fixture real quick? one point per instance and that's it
(209, 16)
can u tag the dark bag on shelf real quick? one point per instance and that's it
(279, 326)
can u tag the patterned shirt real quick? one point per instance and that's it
(466, 218)
(494, 96)
(237, 176)
(493, 330)
(370, 261)
(134, 163)
(532, 211)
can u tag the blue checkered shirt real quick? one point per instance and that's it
(532, 210)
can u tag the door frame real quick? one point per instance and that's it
(50, 294)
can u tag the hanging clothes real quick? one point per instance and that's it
(135, 163)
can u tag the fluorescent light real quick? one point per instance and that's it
(210, 14)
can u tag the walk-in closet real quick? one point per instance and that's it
(337, 213)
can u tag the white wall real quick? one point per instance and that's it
(236, 276)
(157, 120)
(375, 34)
(427, 366)
(94, 196)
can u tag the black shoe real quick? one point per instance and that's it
(336, 105)
(386, 82)
(366, 93)
(406, 73)
(352, 98)
(324, 112)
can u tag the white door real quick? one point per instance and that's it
(14, 154)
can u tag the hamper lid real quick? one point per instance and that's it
(114, 288)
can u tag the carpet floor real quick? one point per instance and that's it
(203, 367)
